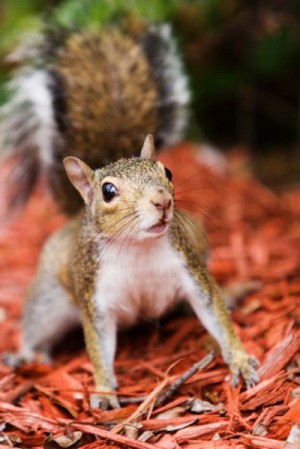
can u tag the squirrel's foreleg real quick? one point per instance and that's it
(210, 308)
(100, 332)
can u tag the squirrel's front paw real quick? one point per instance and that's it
(245, 366)
(104, 401)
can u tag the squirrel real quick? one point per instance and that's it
(125, 254)
(124, 257)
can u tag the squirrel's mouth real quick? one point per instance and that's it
(160, 227)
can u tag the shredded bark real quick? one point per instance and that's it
(254, 236)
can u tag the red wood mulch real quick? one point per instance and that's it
(254, 235)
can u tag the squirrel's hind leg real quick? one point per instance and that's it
(48, 315)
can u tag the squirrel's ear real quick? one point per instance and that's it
(81, 176)
(148, 150)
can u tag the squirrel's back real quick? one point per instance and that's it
(94, 95)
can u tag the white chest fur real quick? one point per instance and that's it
(140, 280)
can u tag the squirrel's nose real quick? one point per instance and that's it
(162, 200)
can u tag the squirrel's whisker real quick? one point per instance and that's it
(203, 170)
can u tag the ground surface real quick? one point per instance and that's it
(254, 234)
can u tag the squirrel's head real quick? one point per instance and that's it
(130, 198)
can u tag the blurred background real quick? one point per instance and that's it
(242, 58)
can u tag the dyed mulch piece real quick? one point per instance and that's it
(254, 235)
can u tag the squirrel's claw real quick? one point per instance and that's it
(245, 366)
(253, 362)
(11, 359)
(17, 359)
(104, 401)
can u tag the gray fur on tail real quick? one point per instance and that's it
(27, 132)
(167, 69)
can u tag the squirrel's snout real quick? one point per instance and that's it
(162, 200)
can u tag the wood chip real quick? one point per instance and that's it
(255, 236)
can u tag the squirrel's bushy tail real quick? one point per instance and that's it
(27, 134)
(94, 95)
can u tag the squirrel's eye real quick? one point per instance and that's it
(168, 174)
(109, 191)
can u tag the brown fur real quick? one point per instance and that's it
(112, 64)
